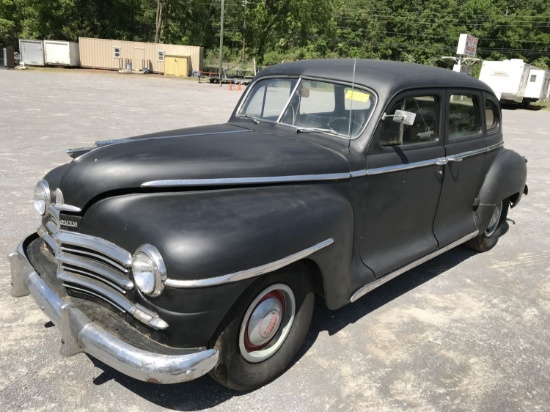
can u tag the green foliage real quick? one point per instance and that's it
(275, 30)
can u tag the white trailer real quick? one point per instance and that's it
(31, 52)
(516, 81)
(61, 53)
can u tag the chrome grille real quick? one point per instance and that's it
(94, 267)
(84, 266)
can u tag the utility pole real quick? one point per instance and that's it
(245, 2)
(221, 44)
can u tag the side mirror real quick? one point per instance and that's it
(401, 116)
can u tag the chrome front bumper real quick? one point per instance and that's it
(80, 334)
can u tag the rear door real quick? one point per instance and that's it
(465, 148)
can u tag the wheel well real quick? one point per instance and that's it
(514, 199)
(315, 275)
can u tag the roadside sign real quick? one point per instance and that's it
(467, 45)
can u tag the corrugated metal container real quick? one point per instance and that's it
(31, 52)
(63, 53)
(120, 54)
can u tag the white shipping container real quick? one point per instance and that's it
(63, 53)
(31, 52)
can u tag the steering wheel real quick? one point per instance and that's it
(341, 125)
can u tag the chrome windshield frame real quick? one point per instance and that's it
(237, 113)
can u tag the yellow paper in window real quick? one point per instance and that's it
(357, 96)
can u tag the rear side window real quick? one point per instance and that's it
(464, 116)
(424, 129)
(492, 115)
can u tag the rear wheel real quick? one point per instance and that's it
(489, 238)
(264, 331)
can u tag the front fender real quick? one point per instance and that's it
(206, 234)
(506, 178)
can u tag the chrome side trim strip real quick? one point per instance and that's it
(379, 282)
(358, 173)
(414, 165)
(470, 153)
(495, 146)
(441, 161)
(248, 273)
(245, 180)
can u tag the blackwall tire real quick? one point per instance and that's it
(489, 238)
(249, 363)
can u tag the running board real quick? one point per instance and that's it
(379, 282)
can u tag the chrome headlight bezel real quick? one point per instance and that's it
(41, 198)
(148, 270)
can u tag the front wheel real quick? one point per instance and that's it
(489, 238)
(264, 330)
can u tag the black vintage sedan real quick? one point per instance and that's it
(201, 250)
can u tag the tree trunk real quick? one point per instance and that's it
(159, 21)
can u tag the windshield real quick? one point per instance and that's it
(310, 105)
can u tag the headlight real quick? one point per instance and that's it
(149, 270)
(41, 197)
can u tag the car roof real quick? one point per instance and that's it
(385, 77)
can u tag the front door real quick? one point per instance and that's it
(404, 179)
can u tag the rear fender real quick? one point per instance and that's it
(505, 180)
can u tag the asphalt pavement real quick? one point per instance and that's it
(465, 331)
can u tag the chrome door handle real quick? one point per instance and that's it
(442, 161)
(454, 159)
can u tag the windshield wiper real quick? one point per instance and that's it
(253, 118)
(317, 130)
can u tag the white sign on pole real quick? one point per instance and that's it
(467, 45)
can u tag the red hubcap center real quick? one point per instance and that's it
(269, 323)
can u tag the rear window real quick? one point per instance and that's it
(464, 116)
(492, 115)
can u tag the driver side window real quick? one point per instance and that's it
(393, 132)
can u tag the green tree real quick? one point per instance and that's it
(275, 30)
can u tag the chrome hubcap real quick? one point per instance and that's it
(266, 323)
(493, 223)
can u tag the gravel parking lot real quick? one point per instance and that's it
(465, 331)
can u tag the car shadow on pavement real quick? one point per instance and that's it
(199, 394)
(205, 393)
(334, 321)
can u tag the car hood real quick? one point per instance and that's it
(191, 156)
